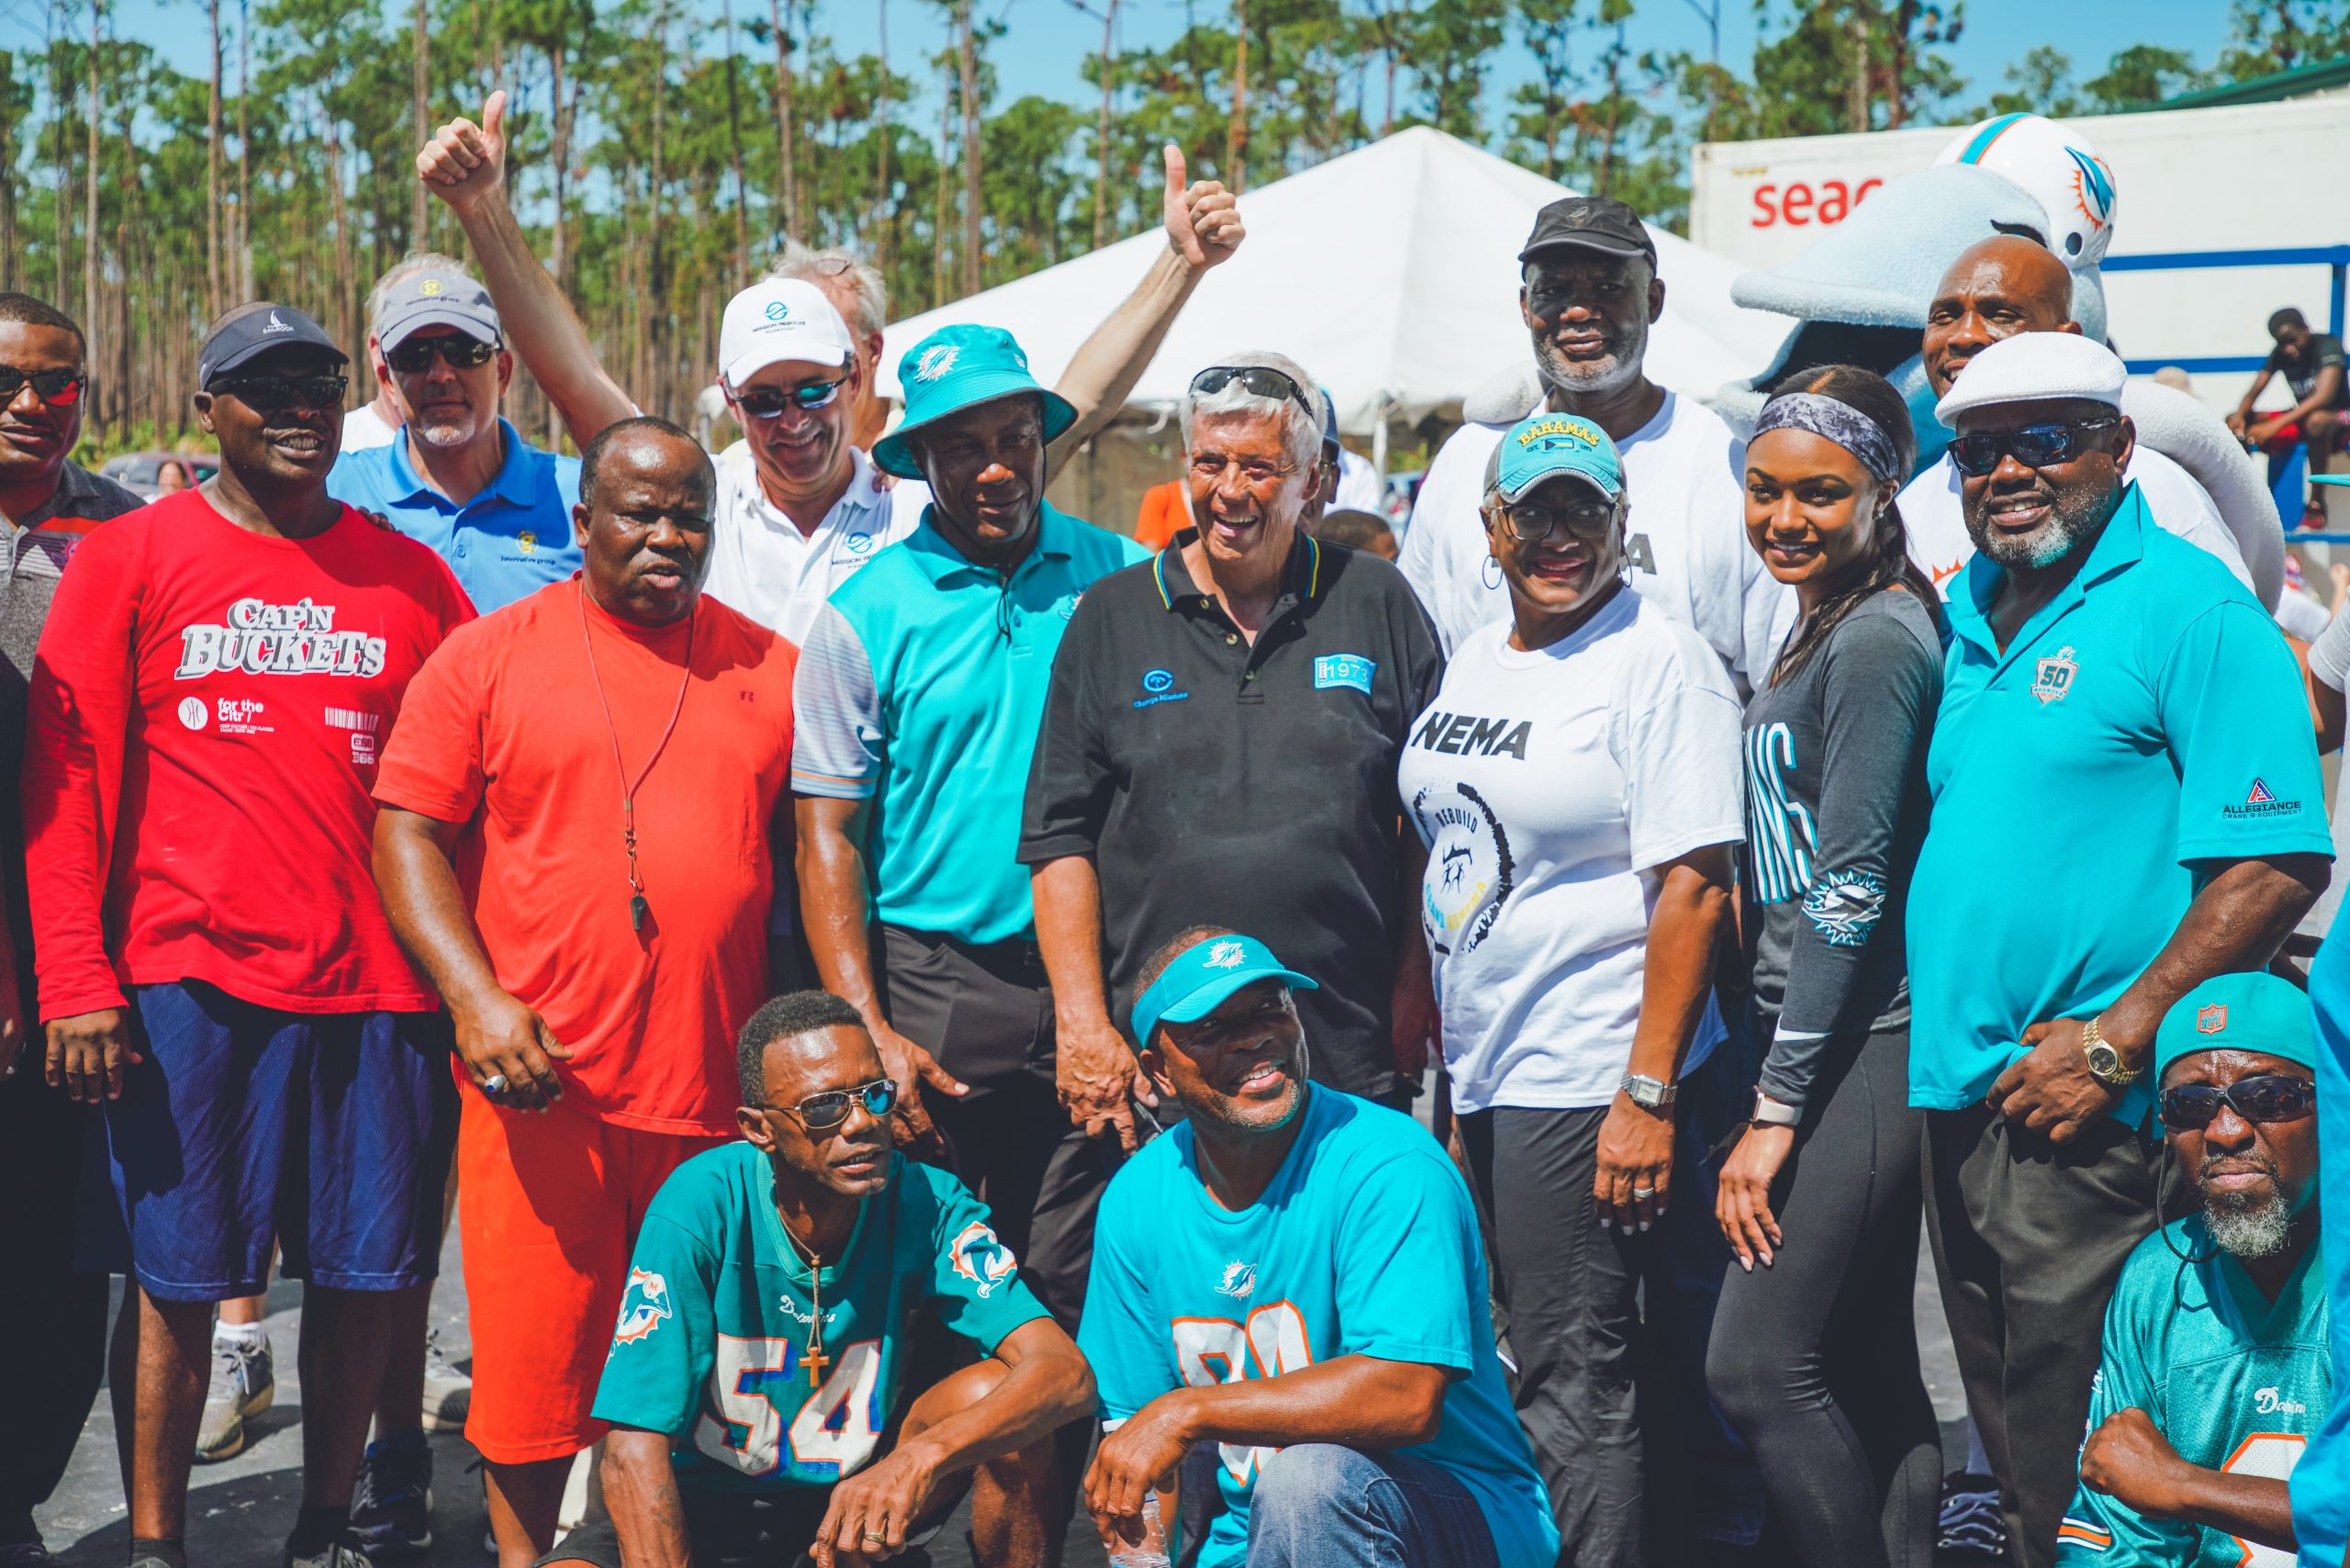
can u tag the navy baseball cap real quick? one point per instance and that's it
(435, 296)
(251, 331)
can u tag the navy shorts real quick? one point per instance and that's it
(328, 1133)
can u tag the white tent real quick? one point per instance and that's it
(1389, 273)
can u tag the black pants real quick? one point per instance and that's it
(54, 1318)
(2029, 1237)
(987, 1015)
(1608, 1331)
(1814, 1358)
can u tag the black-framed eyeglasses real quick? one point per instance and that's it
(766, 402)
(1529, 522)
(2040, 445)
(821, 1112)
(58, 388)
(458, 350)
(268, 394)
(1261, 379)
(2272, 1097)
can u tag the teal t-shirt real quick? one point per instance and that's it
(1363, 1244)
(2321, 1481)
(921, 688)
(716, 1316)
(2236, 1382)
(2148, 722)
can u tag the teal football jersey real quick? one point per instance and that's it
(2236, 1383)
(714, 1328)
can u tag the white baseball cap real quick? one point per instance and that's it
(777, 319)
(2035, 367)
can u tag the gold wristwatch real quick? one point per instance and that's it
(2104, 1061)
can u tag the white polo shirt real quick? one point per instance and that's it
(761, 564)
(1685, 540)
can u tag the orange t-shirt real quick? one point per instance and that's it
(1166, 512)
(503, 730)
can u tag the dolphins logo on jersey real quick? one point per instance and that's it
(643, 1304)
(1843, 906)
(980, 1257)
(1239, 1281)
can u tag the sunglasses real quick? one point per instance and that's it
(821, 1112)
(766, 402)
(1978, 452)
(268, 394)
(1263, 380)
(1531, 521)
(456, 349)
(2271, 1098)
(58, 388)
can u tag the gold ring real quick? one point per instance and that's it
(883, 1539)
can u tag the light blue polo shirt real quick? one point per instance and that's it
(2321, 1481)
(2147, 722)
(509, 542)
(921, 688)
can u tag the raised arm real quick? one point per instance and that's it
(1203, 228)
(464, 165)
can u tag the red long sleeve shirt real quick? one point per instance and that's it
(207, 708)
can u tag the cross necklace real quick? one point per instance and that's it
(638, 909)
(814, 1354)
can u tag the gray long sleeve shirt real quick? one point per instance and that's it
(1836, 805)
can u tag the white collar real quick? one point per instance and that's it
(739, 471)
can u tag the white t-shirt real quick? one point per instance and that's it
(363, 429)
(1684, 538)
(1939, 544)
(1358, 485)
(762, 565)
(1548, 786)
(2330, 662)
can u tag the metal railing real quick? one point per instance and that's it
(2334, 257)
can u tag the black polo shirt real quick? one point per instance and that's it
(1219, 782)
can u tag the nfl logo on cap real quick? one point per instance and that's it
(2210, 1020)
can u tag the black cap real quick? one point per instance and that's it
(1590, 223)
(250, 330)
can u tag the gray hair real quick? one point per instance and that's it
(1301, 431)
(820, 267)
(408, 266)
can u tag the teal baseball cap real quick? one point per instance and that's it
(1203, 977)
(2251, 1012)
(1544, 445)
(955, 368)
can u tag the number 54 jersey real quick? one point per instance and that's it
(711, 1344)
(1364, 1244)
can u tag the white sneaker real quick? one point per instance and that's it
(448, 1393)
(244, 1382)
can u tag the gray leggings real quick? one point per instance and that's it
(1814, 1360)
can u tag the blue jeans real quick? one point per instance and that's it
(1320, 1505)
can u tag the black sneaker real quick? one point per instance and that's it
(1970, 1523)
(391, 1507)
(26, 1554)
(340, 1552)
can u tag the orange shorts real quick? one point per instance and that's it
(548, 1209)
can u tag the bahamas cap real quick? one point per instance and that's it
(778, 319)
(1589, 223)
(435, 296)
(2035, 367)
(1544, 445)
(250, 330)
(2250, 1011)
(1203, 977)
(956, 368)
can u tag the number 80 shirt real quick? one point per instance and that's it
(714, 1322)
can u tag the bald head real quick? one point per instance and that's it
(1997, 288)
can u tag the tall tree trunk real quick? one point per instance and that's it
(787, 175)
(1391, 51)
(653, 382)
(212, 175)
(559, 146)
(939, 248)
(127, 267)
(734, 149)
(887, 136)
(967, 63)
(61, 219)
(339, 221)
(8, 176)
(1614, 115)
(1101, 128)
(419, 210)
(1856, 105)
(1235, 134)
(90, 207)
(245, 290)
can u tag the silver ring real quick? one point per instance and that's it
(1644, 1191)
(493, 1084)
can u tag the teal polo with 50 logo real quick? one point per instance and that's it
(920, 688)
(2145, 729)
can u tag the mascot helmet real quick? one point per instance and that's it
(2059, 168)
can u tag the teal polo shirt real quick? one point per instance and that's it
(505, 543)
(921, 688)
(2147, 726)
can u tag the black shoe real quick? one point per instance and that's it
(26, 1554)
(1970, 1523)
(340, 1552)
(391, 1507)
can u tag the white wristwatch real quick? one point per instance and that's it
(1769, 1113)
(1648, 1094)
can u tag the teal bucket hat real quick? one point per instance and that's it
(2250, 1011)
(955, 368)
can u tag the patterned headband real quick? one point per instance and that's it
(1839, 422)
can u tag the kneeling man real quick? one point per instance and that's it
(755, 1376)
(1295, 1276)
(2216, 1371)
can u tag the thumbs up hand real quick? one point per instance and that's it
(1203, 220)
(464, 164)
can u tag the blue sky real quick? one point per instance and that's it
(1048, 39)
